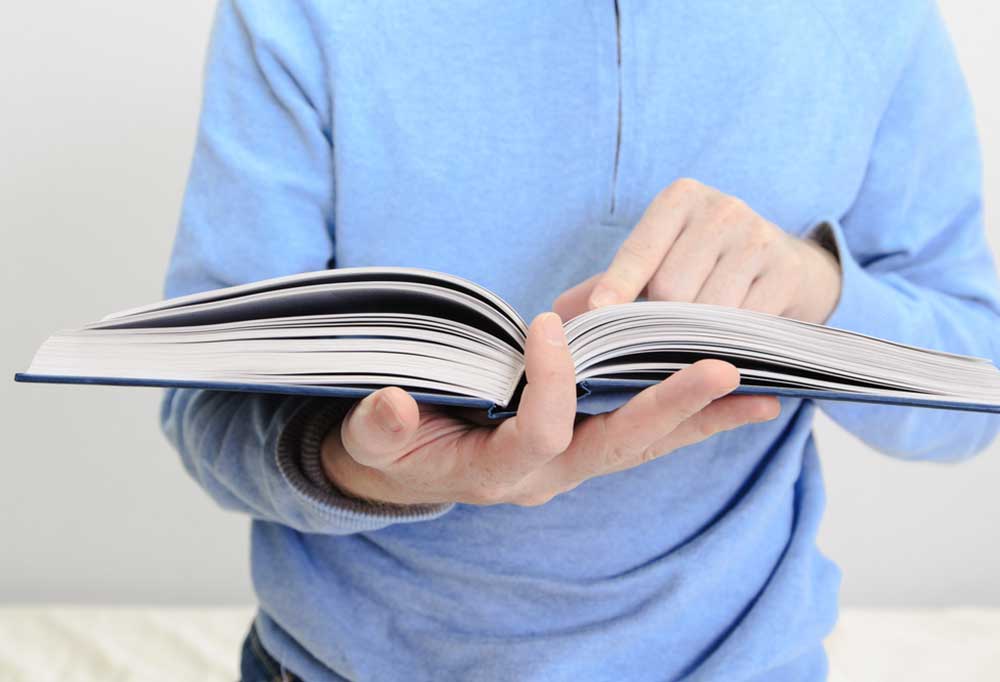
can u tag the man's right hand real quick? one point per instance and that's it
(390, 449)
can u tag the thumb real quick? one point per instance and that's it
(378, 429)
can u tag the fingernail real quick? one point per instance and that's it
(602, 296)
(388, 418)
(552, 329)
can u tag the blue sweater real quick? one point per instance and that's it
(516, 144)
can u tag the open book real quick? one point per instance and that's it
(346, 332)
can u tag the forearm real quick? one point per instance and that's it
(246, 450)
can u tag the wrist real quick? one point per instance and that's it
(822, 280)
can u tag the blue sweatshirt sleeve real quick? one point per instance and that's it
(259, 203)
(916, 264)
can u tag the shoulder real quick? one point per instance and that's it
(282, 43)
(276, 16)
(292, 12)
(879, 35)
(294, 29)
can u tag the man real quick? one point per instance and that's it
(815, 160)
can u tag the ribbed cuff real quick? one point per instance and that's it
(824, 235)
(300, 463)
(863, 305)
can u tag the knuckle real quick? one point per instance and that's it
(562, 440)
(543, 442)
(617, 456)
(685, 185)
(553, 375)
(729, 207)
(665, 197)
(762, 233)
(705, 428)
(649, 453)
(533, 499)
(679, 192)
(762, 227)
(796, 258)
(687, 410)
(490, 494)
(661, 288)
(549, 444)
(639, 251)
(495, 478)
(682, 409)
(756, 244)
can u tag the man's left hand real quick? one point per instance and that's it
(697, 244)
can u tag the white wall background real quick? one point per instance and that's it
(99, 107)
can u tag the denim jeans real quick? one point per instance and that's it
(256, 665)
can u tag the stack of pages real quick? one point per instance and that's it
(345, 332)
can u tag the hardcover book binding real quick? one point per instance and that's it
(346, 332)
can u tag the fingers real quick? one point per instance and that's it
(573, 302)
(378, 429)
(728, 283)
(643, 250)
(615, 440)
(723, 414)
(768, 293)
(459, 461)
(543, 426)
(544, 420)
(697, 244)
(686, 266)
(659, 409)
